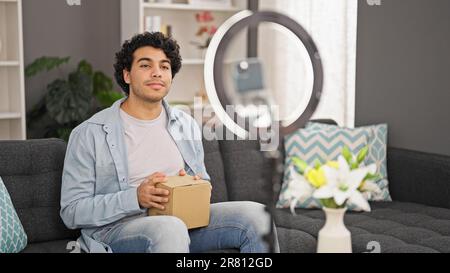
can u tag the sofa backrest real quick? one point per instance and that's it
(32, 172)
(246, 171)
(214, 166)
(419, 177)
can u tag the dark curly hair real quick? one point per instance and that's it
(124, 58)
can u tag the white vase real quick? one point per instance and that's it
(334, 237)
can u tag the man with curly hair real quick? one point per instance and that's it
(115, 159)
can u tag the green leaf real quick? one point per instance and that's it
(37, 125)
(373, 177)
(64, 133)
(317, 164)
(44, 63)
(85, 67)
(81, 84)
(70, 101)
(347, 155)
(354, 165)
(58, 92)
(102, 83)
(106, 99)
(300, 164)
(330, 203)
(362, 154)
(37, 111)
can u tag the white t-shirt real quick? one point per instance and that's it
(150, 148)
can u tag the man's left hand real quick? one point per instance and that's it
(182, 172)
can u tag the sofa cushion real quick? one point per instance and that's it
(377, 142)
(32, 172)
(311, 145)
(396, 226)
(57, 246)
(12, 235)
(214, 167)
(295, 241)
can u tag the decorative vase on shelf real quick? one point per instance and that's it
(334, 237)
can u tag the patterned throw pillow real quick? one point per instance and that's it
(12, 235)
(311, 145)
(377, 153)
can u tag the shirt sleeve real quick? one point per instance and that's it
(80, 207)
(200, 153)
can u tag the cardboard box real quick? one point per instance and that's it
(189, 200)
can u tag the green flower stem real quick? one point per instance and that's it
(329, 203)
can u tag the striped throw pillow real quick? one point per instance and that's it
(322, 145)
(12, 235)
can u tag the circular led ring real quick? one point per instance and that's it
(215, 55)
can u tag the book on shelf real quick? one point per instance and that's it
(154, 24)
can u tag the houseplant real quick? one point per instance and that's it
(68, 101)
(335, 184)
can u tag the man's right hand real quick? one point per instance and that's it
(151, 197)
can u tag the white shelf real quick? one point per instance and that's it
(9, 63)
(10, 115)
(189, 7)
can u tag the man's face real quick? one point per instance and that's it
(150, 77)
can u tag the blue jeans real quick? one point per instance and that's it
(233, 225)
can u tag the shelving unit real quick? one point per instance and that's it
(181, 17)
(9, 63)
(12, 94)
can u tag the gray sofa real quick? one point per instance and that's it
(417, 221)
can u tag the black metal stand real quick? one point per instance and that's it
(217, 87)
(273, 187)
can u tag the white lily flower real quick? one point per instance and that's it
(343, 183)
(372, 168)
(370, 185)
(298, 188)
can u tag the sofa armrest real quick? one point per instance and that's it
(419, 177)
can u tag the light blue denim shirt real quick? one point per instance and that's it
(95, 190)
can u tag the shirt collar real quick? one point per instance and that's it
(112, 114)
